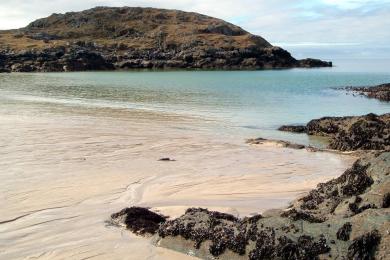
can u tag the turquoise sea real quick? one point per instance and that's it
(244, 103)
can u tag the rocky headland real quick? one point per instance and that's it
(380, 92)
(109, 38)
(345, 218)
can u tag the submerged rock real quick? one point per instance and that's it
(285, 144)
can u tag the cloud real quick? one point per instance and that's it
(352, 4)
(287, 21)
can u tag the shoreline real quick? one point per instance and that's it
(330, 212)
(344, 217)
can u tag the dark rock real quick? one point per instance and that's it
(167, 159)
(312, 200)
(222, 229)
(369, 132)
(386, 200)
(355, 209)
(363, 248)
(139, 220)
(306, 248)
(302, 215)
(344, 232)
(380, 92)
(327, 196)
(265, 247)
(293, 128)
(324, 126)
(295, 146)
(310, 63)
(355, 181)
(277, 142)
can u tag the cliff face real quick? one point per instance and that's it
(119, 38)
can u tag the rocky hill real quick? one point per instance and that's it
(106, 38)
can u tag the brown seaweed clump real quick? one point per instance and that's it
(139, 220)
(344, 232)
(305, 248)
(363, 247)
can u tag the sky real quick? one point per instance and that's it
(358, 26)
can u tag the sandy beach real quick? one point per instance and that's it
(63, 174)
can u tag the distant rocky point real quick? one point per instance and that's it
(110, 38)
(380, 92)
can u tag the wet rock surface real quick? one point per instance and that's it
(139, 220)
(319, 225)
(108, 38)
(368, 132)
(293, 128)
(380, 92)
(276, 142)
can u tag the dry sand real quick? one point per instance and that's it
(62, 175)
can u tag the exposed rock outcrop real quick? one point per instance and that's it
(139, 220)
(380, 92)
(293, 128)
(107, 38)
(276, 142)
(369, 132)
(320, 225)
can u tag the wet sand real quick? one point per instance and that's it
(63, 174)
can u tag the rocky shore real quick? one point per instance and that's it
(106, 38)
(380, 92)
(345, 218)
(368, 132)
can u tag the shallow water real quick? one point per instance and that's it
(245, 103)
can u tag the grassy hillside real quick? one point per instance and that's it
(127, 27)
